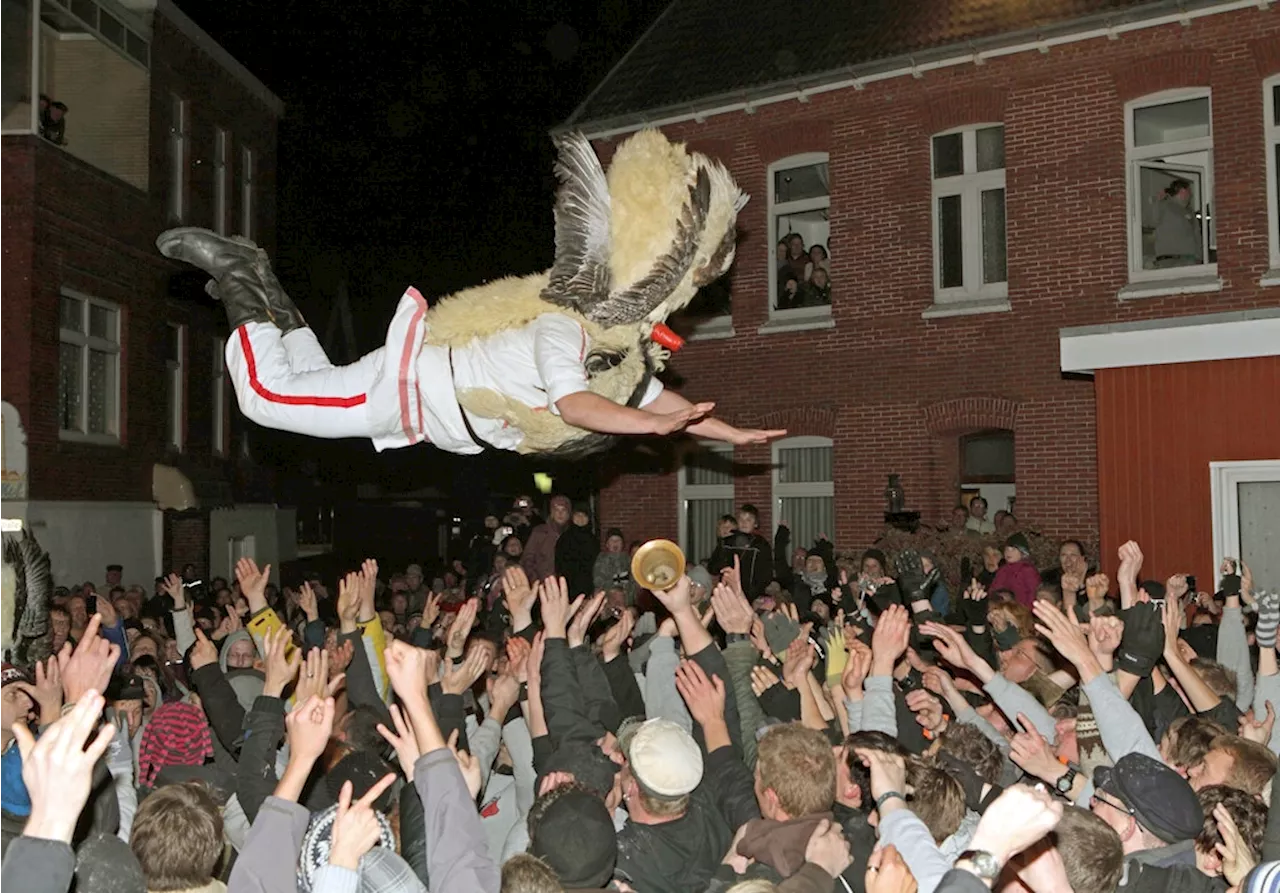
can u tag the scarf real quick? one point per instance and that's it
(176, 735)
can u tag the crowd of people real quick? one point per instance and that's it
(804, 274)
(531, 720)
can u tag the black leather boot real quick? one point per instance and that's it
(216, 255)
(284, 313)
(242, 296)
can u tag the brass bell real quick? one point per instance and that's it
(657, 565)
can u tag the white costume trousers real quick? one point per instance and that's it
(286, 382)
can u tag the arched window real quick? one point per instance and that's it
(804, 487)
(799, 212)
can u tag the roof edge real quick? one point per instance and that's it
(568, 124)
(1151, 15)
(220, 54)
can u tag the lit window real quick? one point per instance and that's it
(221, 176)
(88, 368)
(179, 127)
(987, 469)
(969, 246)
(1170, 154)
(803, 487)
(706, 493)
(175, 356)
(799, 215)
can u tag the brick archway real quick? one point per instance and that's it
(811, 420)
(946, 422)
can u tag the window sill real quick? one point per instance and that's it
(1270, 278)
(943, 309)
(97, 439)
(801, 322)
(712, 329)
(1159, 288)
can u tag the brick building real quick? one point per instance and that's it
(122, 118)
(1010, 311)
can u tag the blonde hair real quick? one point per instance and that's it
(523, 873)
(797, 764)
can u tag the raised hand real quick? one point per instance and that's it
(314, 678)
(58, 769)
(676, 599)
(557, 610)
(281, 663)
(762, 679)
(368, 585)
(519, 596)
(703, 696)
(309, 725)
(504, 693)
(348, 602)
(797, 662)
(468, 765)
(1032, 754)
(1015, 820)
(431, 611)
(533, 666)
(356, 829)
(460, 677)
(461, 629)
(253, 583)
(1067, 638)
(406, 667)
(175, 590)
(518, 658)
(828, 848)
(889, 641)
(204, 652)
(1258, 729)
(1130, 555)
(732, 577)
(928, 710)
(758, 639)
(582, 620)
(307, 602)
(46, 694)
(401, 740)
(617, 636)
(732, 609)
(1105, 634)
(1096, 586)
(1237, 858)
(89, 666)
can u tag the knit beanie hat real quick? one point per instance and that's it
(318, 840)
(105, 864)
(575, 836)
(176, 735)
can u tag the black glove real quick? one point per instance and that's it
(969, 779)
(1143, 641)
(781, 703)
(915, 584)
(973, 611)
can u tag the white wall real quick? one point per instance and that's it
(274, 533)
(82, 538)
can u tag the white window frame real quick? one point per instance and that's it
(1134, 156)
(795, 314)
(87, 342)
(179, 132)
(1224, 481)
(247, 209)
(969, 186)
(219, 427)
(816, 489)
(221, 177)
(1272, 131)
(174, 369)
(686, 492)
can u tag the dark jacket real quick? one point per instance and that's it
(755, 556)
(576, 552)
(33, 865)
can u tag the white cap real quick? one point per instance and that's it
(664, 758)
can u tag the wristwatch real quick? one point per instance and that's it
(1064, 783)
(980, 863)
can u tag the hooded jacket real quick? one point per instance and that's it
(1021, 578)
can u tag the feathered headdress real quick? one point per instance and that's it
(26, 595)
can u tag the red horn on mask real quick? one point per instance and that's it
(663, 336)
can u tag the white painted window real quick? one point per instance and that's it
(1246, 519)
(221, 180)
(179, 129)
(1169, 140)
(219, 429)
(969, 244)
(175, 384)
(799, 212)
(1271, 111)
(705, 494)
(804, 488)
(88, 368)
(247, 205)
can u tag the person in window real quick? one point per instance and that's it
(978, 521)
(782, 255)
(797, 259)
(788, 290)
(1178, 241)
(817, 291)
(817, 261)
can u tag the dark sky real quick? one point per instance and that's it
(414, 151)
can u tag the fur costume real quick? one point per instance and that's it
(632, 248)
(25, 597)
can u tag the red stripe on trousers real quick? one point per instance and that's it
(289, 400)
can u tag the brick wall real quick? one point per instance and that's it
(895, 391)
(69, 224)
(186, 541)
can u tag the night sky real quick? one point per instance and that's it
(414, 151)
